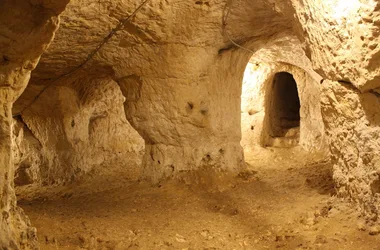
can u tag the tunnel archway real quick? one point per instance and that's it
(280, 108)
(284, 111)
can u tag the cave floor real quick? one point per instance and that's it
(284, 201)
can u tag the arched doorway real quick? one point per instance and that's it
(283, 111)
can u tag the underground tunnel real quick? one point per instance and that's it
(189, 124)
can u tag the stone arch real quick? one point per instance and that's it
(256, 107)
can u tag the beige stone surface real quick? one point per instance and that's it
(27, 154)
(26, 30)
(179, 73)
(83, 130)
(341, 39)
(167, 61)
(352, 123)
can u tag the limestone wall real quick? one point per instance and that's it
(81, 128)
(352, 122)
(179, 73)
(27, 154)
(341, 39)
(26, 29)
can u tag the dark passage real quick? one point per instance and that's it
(285, 105)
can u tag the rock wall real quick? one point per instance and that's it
(27, 154)
(352, 121)
(81, 127)
(252, 105)
(26, 30)
(257, 86)
(341, 39)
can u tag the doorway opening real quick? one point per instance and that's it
(284, 111)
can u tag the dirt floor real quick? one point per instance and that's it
(283, 201)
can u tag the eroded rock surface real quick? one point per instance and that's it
(179, 73)
(82, 130)
(352, 121)
(27, 155)
(341, 39)
(179, 65)
(26, 30)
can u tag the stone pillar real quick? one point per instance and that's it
(190, 120)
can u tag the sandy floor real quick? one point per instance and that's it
(284, 201)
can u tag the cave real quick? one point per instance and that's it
(189, 125)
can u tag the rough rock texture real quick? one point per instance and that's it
(27, 27)
(342, 39)
(163, 52)
(27, 155)
(180, 74)
(191, 128)
(257, 87)
(179, 68)
(352, 121)
(82, 130)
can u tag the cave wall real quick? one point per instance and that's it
(27, 154)
(26, 28)
(252, 105)
(83, 130)
(341, 39)
(352, 121)
(256, 92)
(341, 42)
